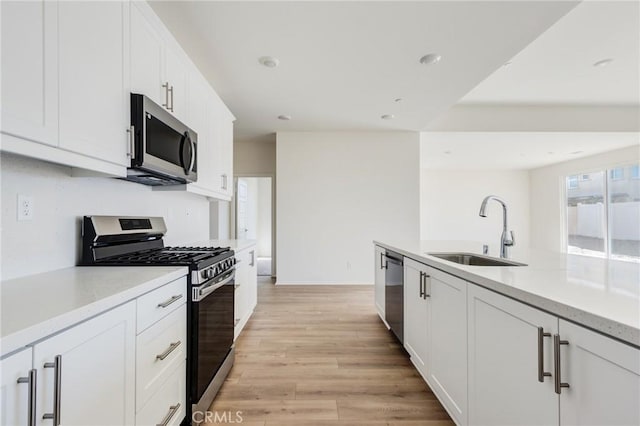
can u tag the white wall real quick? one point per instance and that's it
(450, 201)
(264, 217)
(338, 191)
(547, 187)
(52, 239)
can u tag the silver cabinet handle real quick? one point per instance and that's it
(132, 142)
(556, 362)
(541, 373)
(427, 293)
(421, 285)
(173, 299)
(224, 181)
(253, 258)
(172, 412)
(32, 382)
(166, 96)
(236, 322)
(172, 347)
(57, 390)
(171, 94)
(381, 261)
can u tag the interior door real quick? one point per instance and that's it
(241, 210)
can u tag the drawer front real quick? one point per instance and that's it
(160, 350)
(160, 302)
(169, 400)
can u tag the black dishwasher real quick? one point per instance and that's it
(394, 293)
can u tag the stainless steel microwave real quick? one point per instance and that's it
(164, 150)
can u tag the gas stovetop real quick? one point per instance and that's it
(190, 256)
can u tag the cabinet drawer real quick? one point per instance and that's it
(161, 348)
(169, 400)
(161, 302)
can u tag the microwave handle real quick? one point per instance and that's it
(193, 155)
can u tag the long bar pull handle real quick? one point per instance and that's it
(556, 361)
(57, 389)
(172, 412)
(381, 261)
(173, 299)
(171, 94)
(253, 258)
(427, 293)
(32, 382)
(132, 142)
(421, 285)
(541, 373)
(172, 347)
(166, 96)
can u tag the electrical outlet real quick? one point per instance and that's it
(25, 207)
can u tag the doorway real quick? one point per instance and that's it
(253, 218)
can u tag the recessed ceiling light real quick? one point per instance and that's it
(388, 117)
(397, 100)
(550, 152)
(447, 152)
(430, 59)
(269, 61)
(603, 62)
(284, 117)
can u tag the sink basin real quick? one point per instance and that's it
(475, 259)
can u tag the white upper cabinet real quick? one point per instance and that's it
(176, 82)
(225, 159)
(30, 71)
(147, 57)
(603, 378)
(93, 78)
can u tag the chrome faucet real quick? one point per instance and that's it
(505, 241)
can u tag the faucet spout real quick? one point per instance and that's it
(507, 238)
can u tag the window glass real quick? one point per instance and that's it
(624, 213)
(586, 218)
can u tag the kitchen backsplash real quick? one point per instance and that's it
(51, 240)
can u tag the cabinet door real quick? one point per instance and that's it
(15, 378)
(29, 70)
(252, 281)
(147, 57)
(96, 371)
(177, 76)
(447, 367)
(93, 95)
(504, 355)
(379, 280)
(416, 315)
(241, 302)
(226, 152)
(603, 377)
(202, 120)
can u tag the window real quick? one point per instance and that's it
(635, 172)
(603, 214)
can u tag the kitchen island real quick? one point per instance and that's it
(554, 341)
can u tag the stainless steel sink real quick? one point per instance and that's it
(475, 259)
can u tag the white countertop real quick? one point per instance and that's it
(601, 294)
(37, 306)
(235, 245)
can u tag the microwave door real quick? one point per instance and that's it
(168, 150)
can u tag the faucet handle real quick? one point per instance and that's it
(511, 241)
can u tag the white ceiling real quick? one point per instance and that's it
(515, 150)
(557, 68)
(342, 64)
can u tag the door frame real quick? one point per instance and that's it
(232, 212)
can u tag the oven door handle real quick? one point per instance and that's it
(200, 293)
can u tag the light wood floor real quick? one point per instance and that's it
(319, 355)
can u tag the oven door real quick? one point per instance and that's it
(212, 325)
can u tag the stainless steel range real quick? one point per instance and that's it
(128, 241)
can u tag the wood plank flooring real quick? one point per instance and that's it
(320, 356)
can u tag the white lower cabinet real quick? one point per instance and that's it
(16, 392)
(167, 407)
(246, 292)
(447, 366)
(86, 374)
(603, 378)
(379, 253)
(416, 315)
(507, 359)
